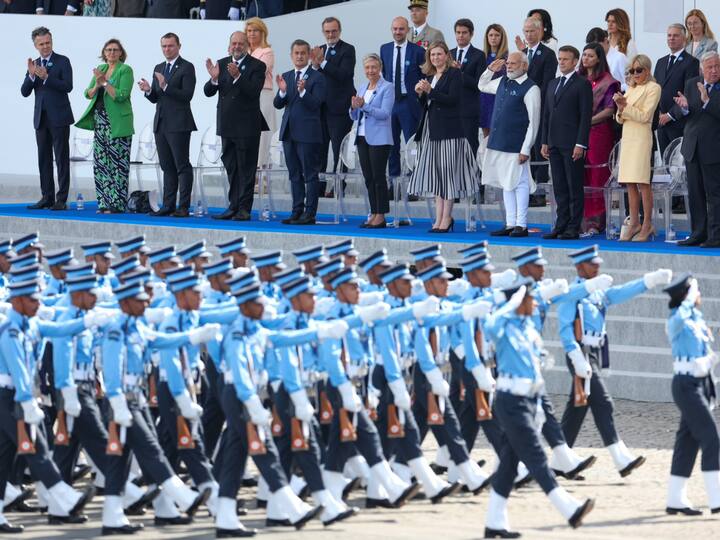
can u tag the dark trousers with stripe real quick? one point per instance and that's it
(405, 448)
(551, 430)
(308, 460)
(42, 467)
(697, 430)
(520, 443)
(368, 439)
(195, 459)
(213, 417)
(469, 424)
(235, 450)
(599, 402)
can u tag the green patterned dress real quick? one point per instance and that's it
(99, 8)
(111, 162)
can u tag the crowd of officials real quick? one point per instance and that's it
(534, 108)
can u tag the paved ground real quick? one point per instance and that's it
(626, 508)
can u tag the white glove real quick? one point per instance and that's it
(121, 413)
(71, 404)
(498, 297)
(550, 290)
(259, 415)
(501, 280)
(373, 400)
(368, 314)
(98, 318)
(332, 330)
(693, 292)
(400, 394)
(32, 413)
(234, 14)
(269, 312)
(205, 333)
(157, 315)
(323, 306)
(370, 298)
(46, 313)
(439, 385)
(458, 287)
(702, 366)
(426, 307)
(658, 277)
(599, 283)
(580, 364)
(418, 287)
(188, 408)
(517, 298)
(476, 310)
(205, 288)
(484, 378)
(159, 288)
(350, 399)
(5, 307)
(303, 409)
(240, 271)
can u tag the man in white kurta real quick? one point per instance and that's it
(515, 124)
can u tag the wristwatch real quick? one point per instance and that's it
(105, 83)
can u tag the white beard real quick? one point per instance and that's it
(514, 75)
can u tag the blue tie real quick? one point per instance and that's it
(44, 62)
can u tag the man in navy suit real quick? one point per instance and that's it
(301, 92)
(471, 62)
(50, 77)
(401, 66)
(336, 60)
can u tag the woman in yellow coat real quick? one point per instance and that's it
(635, 112)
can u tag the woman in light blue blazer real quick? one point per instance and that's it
(372, 110)
(700, 38)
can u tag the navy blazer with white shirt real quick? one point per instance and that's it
(301, 121)
(51, 95)
(414, 58)
(377, 113)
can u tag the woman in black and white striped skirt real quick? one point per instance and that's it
(446, 167)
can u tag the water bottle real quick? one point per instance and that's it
(265, 214)
(670, 234)
(471, 225)
(199, 211)
(80, 202)
(612, 232)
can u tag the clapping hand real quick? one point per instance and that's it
(31, 67)
(282, 85)
(497, 65)
(41, 72)
(423, 87)
(703, 93)
(519, 43)
(301, 86)
(620, 100)
(99, 77)
(357, 102)
(212, 69)
(233, 70)
(318, 56)
(681, 100)
(144, 86)
(160, 79)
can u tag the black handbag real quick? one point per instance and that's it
(139, 202)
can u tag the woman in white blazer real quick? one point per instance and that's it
(372, 110)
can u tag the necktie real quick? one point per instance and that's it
(167, 70)
(397, 79)
(531, 53)
(672, 62)
(460, 56)
(559, 88)
(44, 62)
(708, 87)
(298, 74)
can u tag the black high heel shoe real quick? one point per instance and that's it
(448, 228)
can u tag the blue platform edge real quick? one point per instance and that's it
(418, 231)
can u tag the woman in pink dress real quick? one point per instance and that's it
(602, 134)
(257, 34)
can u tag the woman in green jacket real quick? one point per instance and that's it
(110, 116)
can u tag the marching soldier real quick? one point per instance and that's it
(134, 246)
(345, 251)
(267, 265)
(195, 255)
(56, 281)
(236, 250)
(27, 244)
(308, 258)
(693, 390)
(373, 266)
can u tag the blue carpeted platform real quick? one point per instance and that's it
(417, 232)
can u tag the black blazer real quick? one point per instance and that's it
(168, 9)
(238, 108)
(26, 7)
(218, 9)
(673, 81)
(52, 96)
(473, 65)
(702, 128)
(445, 108)
(339, 72)
(543, 66)
(301, 121)
(173, 112)
(567, 115)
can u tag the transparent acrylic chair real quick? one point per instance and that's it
(277, 170)
(81, 153)
(209, 170)
(613, 187)
(399, 185)
(351, 172)
(668, 179)
(146, 159)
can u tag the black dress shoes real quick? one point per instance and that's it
(177, 520)
(691, 241)
(11, 529)
(138, 507)
(59, 206)
(377, 503)
(235, 533)
(350, 512)
(553, 235)
(634, 464)
(227, 214)
(67, 520)
(505, 231)
(518, 232)
(305, 219)
(125, 529)
(576, 519)
(289, 220)
(451, 489)
(41, 204)
(181, 212)
(570, 235)
(163, 212)
(710, 244)
(500, 533)
(684, 511)
(241, 215)
(86, 497)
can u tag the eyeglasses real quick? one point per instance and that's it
(636, 71)
(112, 50)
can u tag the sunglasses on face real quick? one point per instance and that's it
(636, 71)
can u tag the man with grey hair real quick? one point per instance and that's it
(50, 77)
(700, 104)
(515, 124)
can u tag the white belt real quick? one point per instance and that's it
(6, 381)
(228, 376)
(84, 374)
(162, 374)
(379, 359)
(697, 366)
(591, 339)
(131, 380)
(460, 351)
(518, 386)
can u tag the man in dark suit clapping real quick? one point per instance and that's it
(564, 136)
(172, 89)
(50, 77)
(336, 60)
(238, 80)
(301, 92)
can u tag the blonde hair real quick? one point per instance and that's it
(259, 24)
(372, 57)
(427, 68)
(643, 61)
(706, 27)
